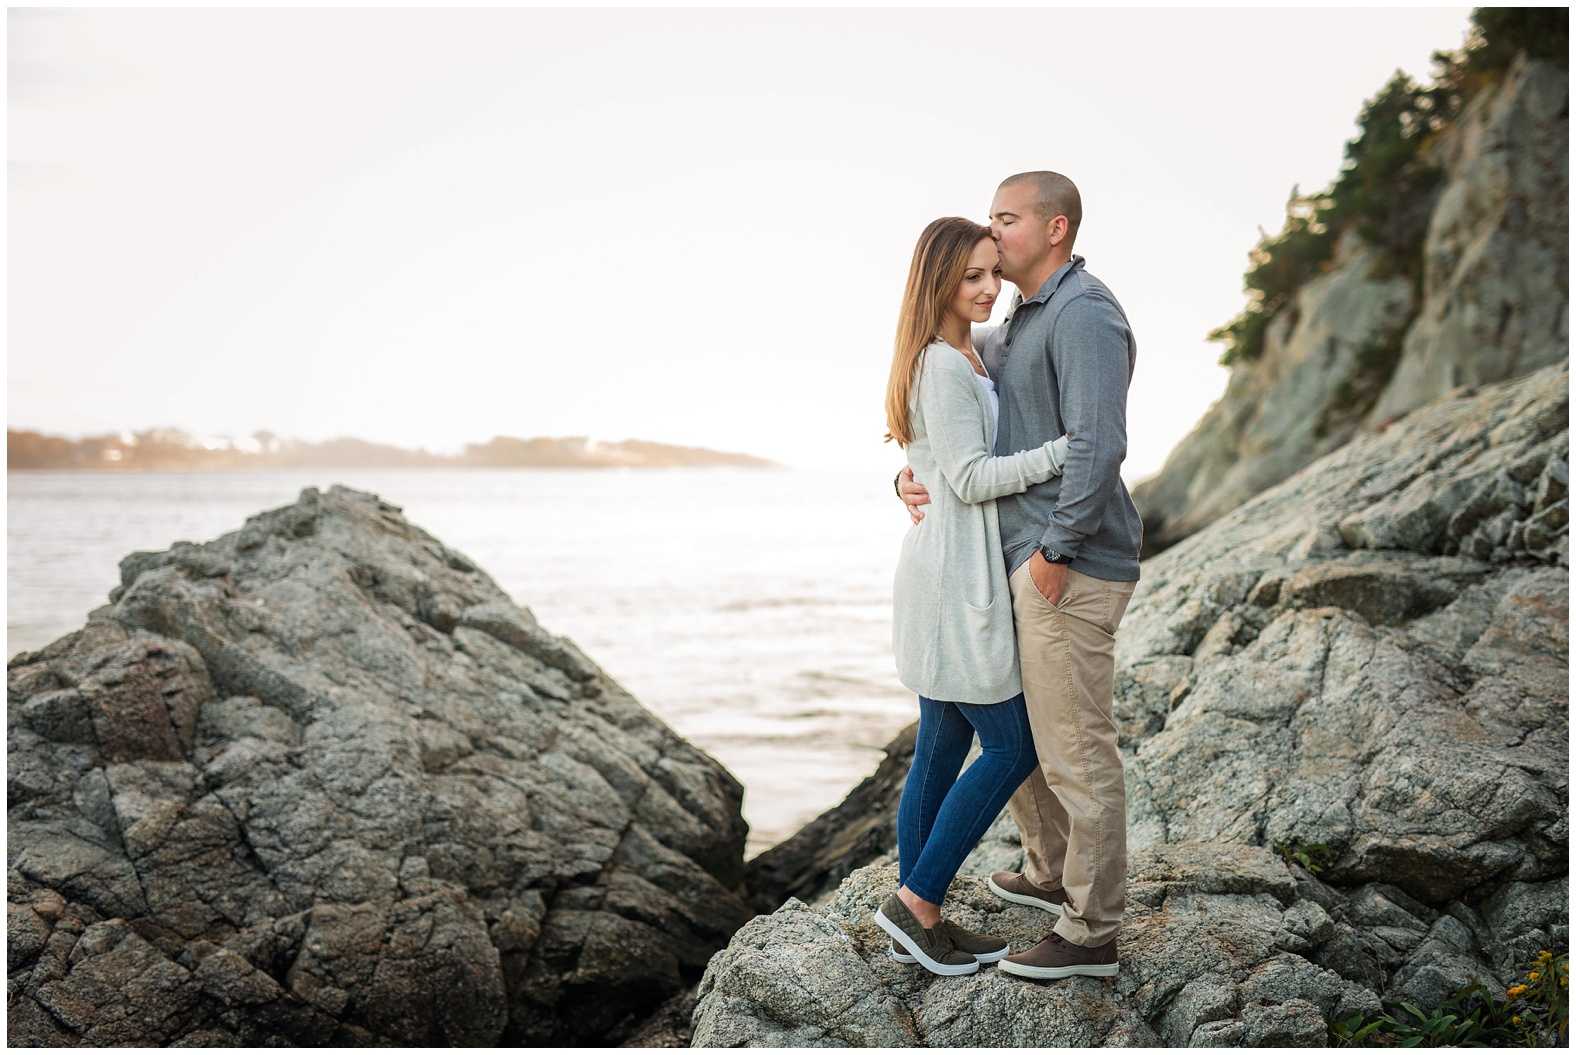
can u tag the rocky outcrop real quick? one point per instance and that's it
(320, 781)
(1357, 347)
(1372, 658)
(1223, 946)
(1209, 943)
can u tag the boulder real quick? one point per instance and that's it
(320, 781)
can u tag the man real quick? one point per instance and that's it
(1062, 362)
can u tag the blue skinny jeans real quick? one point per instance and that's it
(941, 816)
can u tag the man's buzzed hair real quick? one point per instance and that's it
(1055, 195)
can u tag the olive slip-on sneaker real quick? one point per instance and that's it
(1056, 957)
(932, 948)
(1015, 887)
(986, 948)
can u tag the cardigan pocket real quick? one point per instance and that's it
(981, 642)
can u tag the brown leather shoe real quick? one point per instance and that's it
(1015, 887)
(1056, 957)
(986, 948)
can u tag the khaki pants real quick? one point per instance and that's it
(1072, 811)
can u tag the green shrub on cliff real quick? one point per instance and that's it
(1385, 190)
(1534, 1013)
(1500, 32)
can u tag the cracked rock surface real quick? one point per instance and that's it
(1351, 660)
(1373, 657)
(1204, 952)
(320, 781)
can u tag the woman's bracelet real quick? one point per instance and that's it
(895, 479)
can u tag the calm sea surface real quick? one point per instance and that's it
(751, 609)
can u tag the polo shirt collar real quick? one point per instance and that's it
(1051, 284)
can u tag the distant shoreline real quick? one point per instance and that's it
(165, 450)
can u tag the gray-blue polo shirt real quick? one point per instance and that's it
(1062, 363)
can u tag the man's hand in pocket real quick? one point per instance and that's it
(1050, 579)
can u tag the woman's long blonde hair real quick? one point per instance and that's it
(940, 259)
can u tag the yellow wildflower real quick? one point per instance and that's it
(1515, 992)
(1532, 976)
(1515, 1020)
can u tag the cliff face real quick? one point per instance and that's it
(1281, 412)
(1357, 349)
(1496, 278)
(320, 781)
(1372, 657)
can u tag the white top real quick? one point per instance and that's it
(952, 631)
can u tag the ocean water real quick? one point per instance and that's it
(750, 609)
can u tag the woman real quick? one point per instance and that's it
(952, 627)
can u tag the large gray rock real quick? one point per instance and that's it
(1358, 347)
(321, 782)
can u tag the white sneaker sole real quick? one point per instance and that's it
(901, 937)
(1096, 970)
(980, 957)
(1023, 899)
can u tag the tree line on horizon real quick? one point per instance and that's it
(175, 449)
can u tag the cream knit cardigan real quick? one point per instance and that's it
(952, 630)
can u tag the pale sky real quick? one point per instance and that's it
(429, 227)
